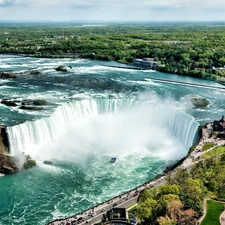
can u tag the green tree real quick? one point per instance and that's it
(165, 221)
(145, 210)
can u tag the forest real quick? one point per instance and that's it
(192, 49)
(180, 201)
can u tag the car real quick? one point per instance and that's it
(93, 214)
(135, 194)
(114, 205)
(103, 210)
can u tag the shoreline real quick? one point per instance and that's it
(132, 195)
(15, 55)
(128, 196)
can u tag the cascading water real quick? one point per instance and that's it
(109, 112)
(104, 122)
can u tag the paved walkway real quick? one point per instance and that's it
(195, 155)
(129, 198)
(124, 200)
(204, 210)
(222, 218)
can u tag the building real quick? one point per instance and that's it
(219, 125)
(117, 222)
(146, 62)
(116, 215)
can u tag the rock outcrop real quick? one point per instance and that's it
(61, 69)
(7, 75)
(8, 163)
(38, 104)
(199, 102)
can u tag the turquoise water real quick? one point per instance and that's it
(97, 112)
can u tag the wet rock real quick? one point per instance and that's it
(29, 162)
(35, 72)
(61, 69)
(7, 165)
(7, 75)
(47, 162)
(31, 107)
(199, 102)
(9, 102)
(40, 102)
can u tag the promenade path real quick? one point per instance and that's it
(122, 201)
(222, 218)
(204, 211)
(131, 196)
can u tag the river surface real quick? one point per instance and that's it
(96, 111)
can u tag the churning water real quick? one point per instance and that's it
(96, 112)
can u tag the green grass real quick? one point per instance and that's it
(214, 209)
(207, 146)
(217, 151)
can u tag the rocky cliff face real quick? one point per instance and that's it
(7, 162)
(7, 165)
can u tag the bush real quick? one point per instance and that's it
(207, 146)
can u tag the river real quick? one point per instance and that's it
(96, 111)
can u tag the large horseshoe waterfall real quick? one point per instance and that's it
(109, 119)
(93, 112)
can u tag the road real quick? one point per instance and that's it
(123, 201)
(128, 199)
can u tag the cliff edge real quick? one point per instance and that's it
(7, 165)
(7, 162)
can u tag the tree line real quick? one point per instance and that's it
(180, 201)
(192, 49)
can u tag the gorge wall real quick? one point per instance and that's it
(7, 164)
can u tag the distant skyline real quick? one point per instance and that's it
(112, 10)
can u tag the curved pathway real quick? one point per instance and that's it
(222, 218)
(130, 197)
(204, 210)
(222, 215)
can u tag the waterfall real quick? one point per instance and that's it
(29, 136)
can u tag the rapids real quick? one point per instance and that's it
(96, 112)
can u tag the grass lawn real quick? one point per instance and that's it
(214, 209)
(217, 151)
(207, 146)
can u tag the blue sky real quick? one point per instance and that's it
(113, 10)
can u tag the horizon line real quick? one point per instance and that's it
(112, 21)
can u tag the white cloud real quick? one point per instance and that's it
(112, 9)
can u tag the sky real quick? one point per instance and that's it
(112, 10)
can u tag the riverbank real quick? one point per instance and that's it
(125, 199)
(131, 196)
(127, 65)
